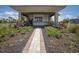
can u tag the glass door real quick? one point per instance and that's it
(38, 21)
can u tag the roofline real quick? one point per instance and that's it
(63, 6)
(38, 5)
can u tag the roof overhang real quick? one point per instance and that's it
(37, 8)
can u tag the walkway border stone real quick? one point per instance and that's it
(42, 44)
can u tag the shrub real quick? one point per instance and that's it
(2, 40)
(53, 32)
(75, 43)
(24, 29)
(74, 29)
(7, 30)
(29, 28)
(3, 32)
(67, 20)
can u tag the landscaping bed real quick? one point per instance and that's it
(14, 39)
(61, 40)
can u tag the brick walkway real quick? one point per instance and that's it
(35, 43)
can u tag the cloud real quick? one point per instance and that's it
(10, 13)
(6, 14)
(61, 17)
(68, 16)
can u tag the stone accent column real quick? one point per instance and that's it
(56, 19)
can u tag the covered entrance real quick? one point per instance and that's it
(38, 20)
(39, 14)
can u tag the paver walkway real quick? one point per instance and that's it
(35, 43)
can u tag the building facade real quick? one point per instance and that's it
(39, 15)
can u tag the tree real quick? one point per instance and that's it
(11, 19)
(0, 20)
(4, 20)
(23, 18)
(67, 20)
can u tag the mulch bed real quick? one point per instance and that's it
(61, 45)
(16, 43)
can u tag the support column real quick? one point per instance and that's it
(56, 19)
(19, 15)
(49, 20)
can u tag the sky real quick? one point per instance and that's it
(70, 11)
(6, 11)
